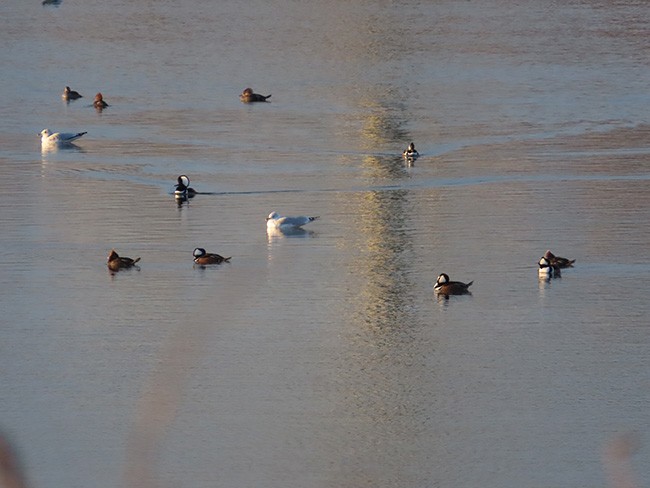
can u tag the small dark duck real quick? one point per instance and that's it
(201, 257)
(99, 102)
(69, 94)
(410, 152)
(557, 261)
(547, 269)
(116, 263)
(247, 96)
(445, 287)
(183, 190)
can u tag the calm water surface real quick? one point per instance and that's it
(324, 359)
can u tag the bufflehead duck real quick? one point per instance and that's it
(58, 138)
(248, 96)
(99, 102)
(547, 269)
(410, 152)
(445, 287)
(70, 94)
(116, 263)
(183, 189)
(201, 257)
(276, 222)
(557, 261)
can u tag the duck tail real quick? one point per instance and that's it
(136, 260)
(470, 283)
(227, 260)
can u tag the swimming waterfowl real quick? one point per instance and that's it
(183, 189)
(69, 94)
(410, 152)
(201, 257)
(547, 269)
(557, 261)
(445, 287)
(248, 96)
(276, 222)
(60, 139)
(99, 102)
(116, 263)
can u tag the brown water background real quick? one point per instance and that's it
(324, 359)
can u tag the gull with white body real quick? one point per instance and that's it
(277, 222)
(58, 139)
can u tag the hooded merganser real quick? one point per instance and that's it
(276, 222)
(248, 96)
(410, 152)
(59, 138)
(183, 189)
(201, 257)
(445, 287)
(115, 262)
(547, 269)
(557, 261)
(99, 102)
(70, 94)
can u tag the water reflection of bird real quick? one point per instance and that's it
(557, 261)
(247, 96)
(277, 222)
(69, 94)
(201, 257)
(445, 287)
(116, 262)
(58, 139)
(183, 190)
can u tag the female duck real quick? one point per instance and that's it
(116, 263)
(445, 287)
(557, 261)
(201, 257)
(99, 102)
(69, 94)
(247, 96)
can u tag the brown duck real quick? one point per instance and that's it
(247, 96)
(116, 263)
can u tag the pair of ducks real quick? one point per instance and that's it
(201, 257)
(549, 266)
(98, 103)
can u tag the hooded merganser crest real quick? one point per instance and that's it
(183, 189)
(547, 269)
(70, 94)
(445, 287)
(557, 261)
(116, 263)
(201, 257)
(60, 139)
(248, 96)
(99, 102)
(410, 152)
(276, 222)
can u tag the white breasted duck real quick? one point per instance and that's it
(445, 287)
(201, 257)
(547, 269)
(410, 152)
(69, 94)
(183, 189)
